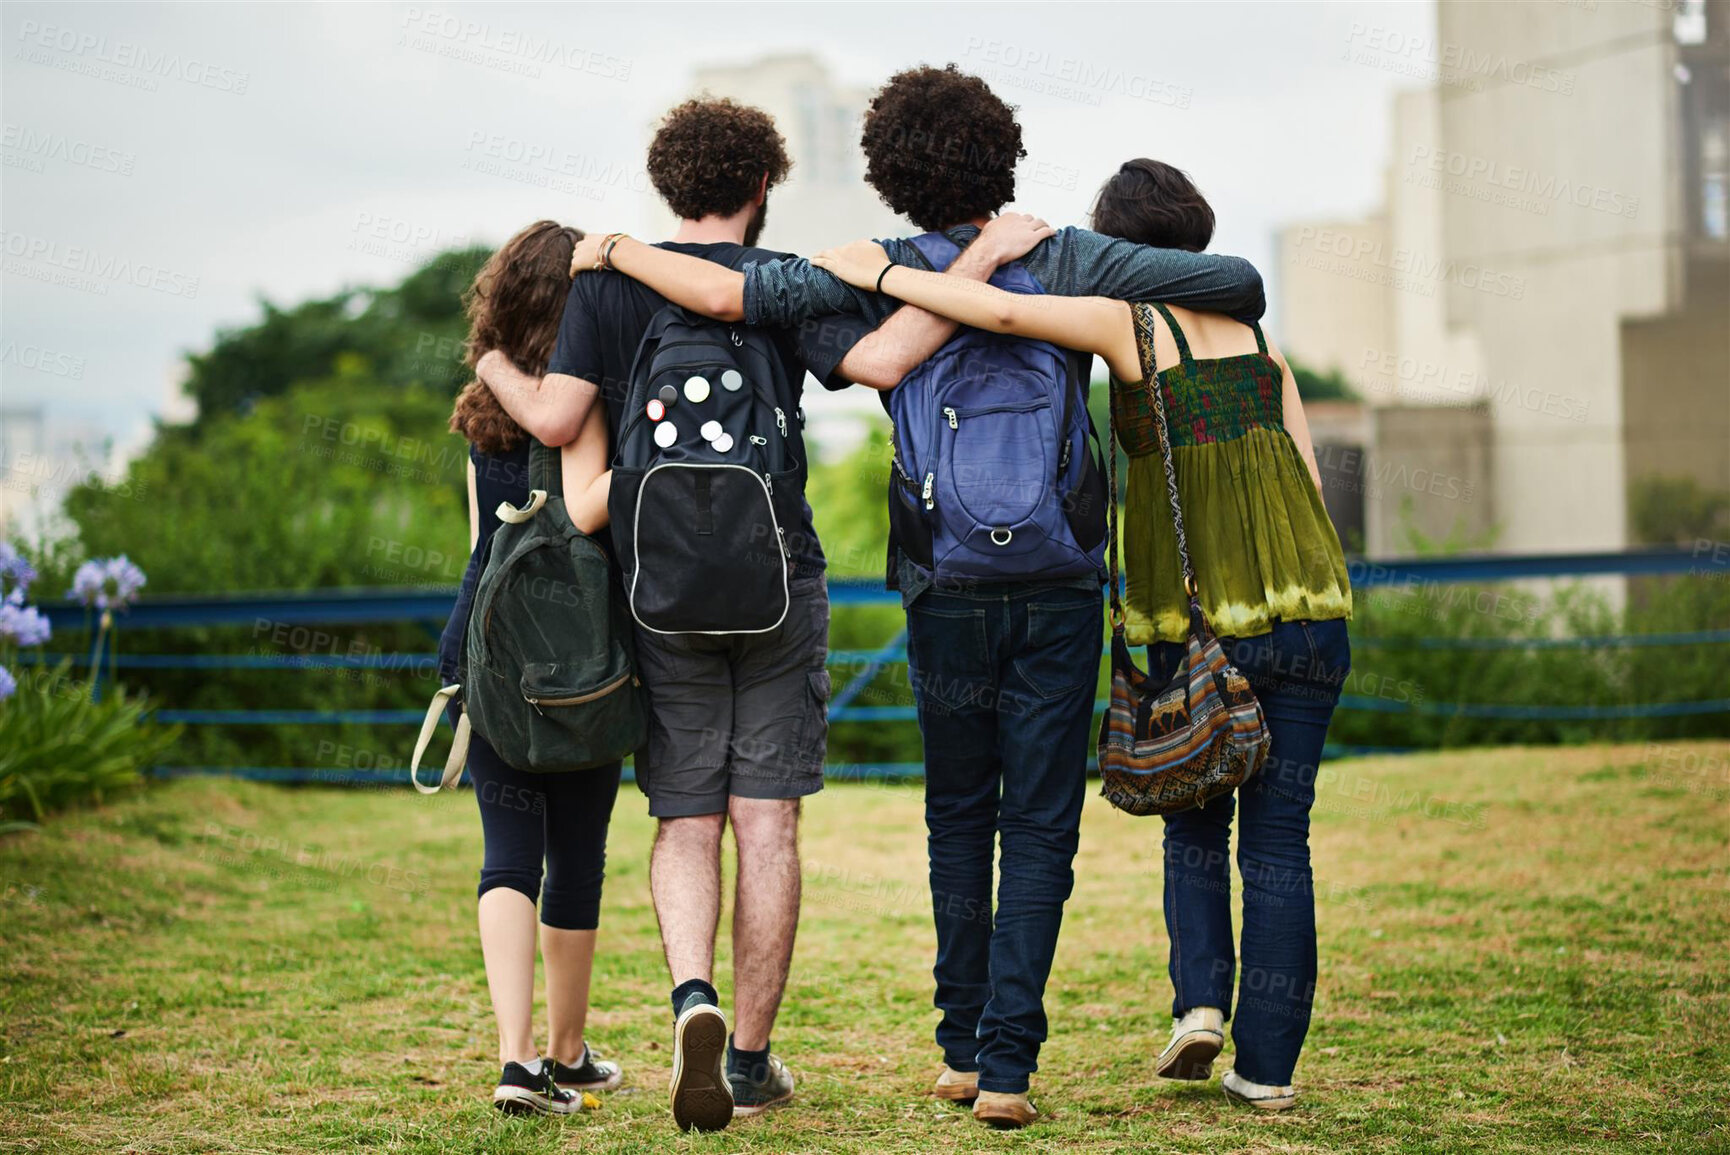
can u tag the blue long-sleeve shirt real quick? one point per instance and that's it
(1072, 263)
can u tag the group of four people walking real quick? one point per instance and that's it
(1004, 672)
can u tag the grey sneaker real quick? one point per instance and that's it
(702, 1097)
(764, 1086)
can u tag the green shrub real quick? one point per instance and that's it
(59, 748)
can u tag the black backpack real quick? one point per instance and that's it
(548, 673)
(706, 479)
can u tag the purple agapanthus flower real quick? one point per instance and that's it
(8, 686)
(23, 625)
(16, 574)
(108, 584)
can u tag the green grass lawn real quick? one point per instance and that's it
(1521, 950)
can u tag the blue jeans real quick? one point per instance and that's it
(1297, 670)
(1005, 683)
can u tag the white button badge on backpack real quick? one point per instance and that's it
(697, 389)
(665, 434)
(730, 381)
(710, 430)
(723, 443)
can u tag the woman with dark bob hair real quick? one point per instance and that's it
(1273, 585)
(545, 834)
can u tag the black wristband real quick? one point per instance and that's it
(883, 274)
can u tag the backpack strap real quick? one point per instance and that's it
(936, 250)
(1182, 341)
(511, 515)
(545, 473)
(459, 754)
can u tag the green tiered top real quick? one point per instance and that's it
(1259, 536)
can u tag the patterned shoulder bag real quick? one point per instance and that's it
(1202, 734)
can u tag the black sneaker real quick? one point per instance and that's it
(763, 1086)
(521, 1093)
(702, 1097)
(590, 1074)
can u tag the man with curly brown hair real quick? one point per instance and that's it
(738, 723)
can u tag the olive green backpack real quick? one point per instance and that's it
(548, 670)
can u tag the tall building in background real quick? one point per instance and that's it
(40, 459)
(1537, 315)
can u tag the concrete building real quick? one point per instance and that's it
(1538, 316)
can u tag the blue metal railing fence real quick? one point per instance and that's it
(430, 607)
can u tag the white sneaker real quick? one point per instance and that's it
(1258, 1095)
(1196, 1039)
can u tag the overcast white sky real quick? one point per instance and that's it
(251, 147)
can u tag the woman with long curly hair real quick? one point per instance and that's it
(545, 834)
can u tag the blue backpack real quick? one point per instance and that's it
(991, 477)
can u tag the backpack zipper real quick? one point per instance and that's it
(781, 420)
(950, 413)
(895, 454)
(578, 699)
(930, 480)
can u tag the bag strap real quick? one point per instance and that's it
(1144, 339)
(1150, 370)
(545, 470)
(511, 515)
(459, 754)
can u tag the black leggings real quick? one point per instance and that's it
(558, 819)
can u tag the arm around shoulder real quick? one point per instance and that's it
(551, 408)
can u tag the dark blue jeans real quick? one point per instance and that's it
(1005, 683)
(1297, 670)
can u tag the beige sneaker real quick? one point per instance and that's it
(956, 1086)
(1258, 1095)
(1004, 1111)
(1196, 1040)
